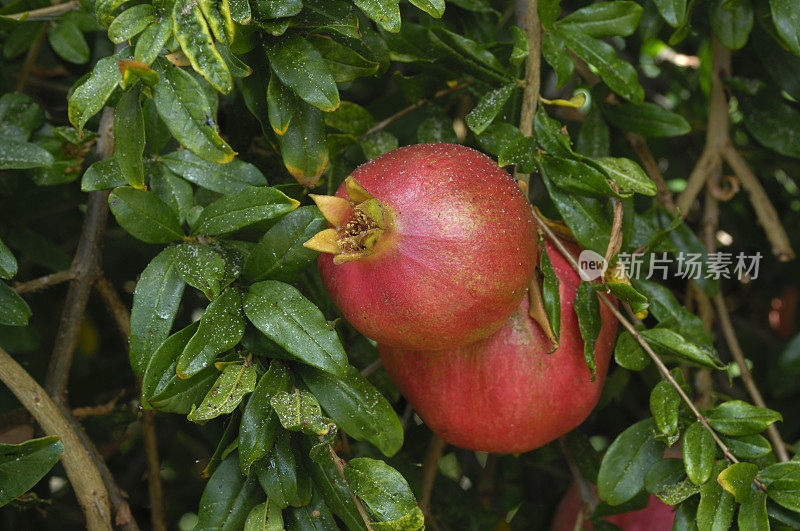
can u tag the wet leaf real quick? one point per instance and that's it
(482, 115)
(301, 67)
(238, 210)
(646, 119)
(300, 411)
(129, 137)
(23, 465)
(665, 403)
(131, 22)
(68, 42)
(587, 308)
(229, 178)
(605, 19)
(384, 491)
(303, 146)
(194, 36)
(89, 97)
(699, 449)
(233, 384)
(228, 498)
(740, 418)
(264, 517)
(144, 215)
(152, 40)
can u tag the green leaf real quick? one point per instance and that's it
(551, 296)
(129, 137)
(665, 403)
(740, 418)
(16, 155)
(233, 384)
(259, 424)
(329, 15)
(587, 308)
(521, 153)
(738, 480)
(594, 138)
(669, 342)
(378, 143)
(748, 446)
(470, 54)
(22, 111)
(67, 41)
(698, 453)
(23, 465)
(102, 175)
(585, 217)
(575, 176)
(178, 395)
(218, 16)
(300, 411)
(277, 472)
(626, 292)
(434, 8)
(300, 66)
(278, 8)
(437, 128)
(144, 215)
(350, 118)
(88, 98)
(786, 17)
(357, 407)
(344, 63)
(753, 513)
(173, 191)
(229, 178)
(783, 483)
(8, 263)
(104, 8)
(280, 254)
(626, 462)
(285, 316)
(629, 354)
(281, 105)
(236, 211)
(619, 75)
(586, 458)
(221, 328)
(731, 21)
(152, 40)
(550, 135)
(604, 19)
(193, 34)
(497, 136)
(14, 311)
(555, 53)
(155, 303)
(385, 493)
(667, 480)
(772, 122)
(327, 482)
(673, 11)
(386, 13)
(488, 107)
(549, 11)
(627, 175)
(312, 517)
(161, 365)
(304, 146)
(186, 115)
(646, 119)
(228, 498)
(782, 65)
(131, 22)
(715, 512)
(264, 517)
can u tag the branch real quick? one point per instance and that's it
(158, 510)
(84, 476)
(429, 470)
(589, 499)
(44, 282)
(371, 368)
(639, 145)
(337, 462)
(533, 66)
(44, 13)
(115, 305)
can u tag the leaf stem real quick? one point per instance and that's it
(429, 469)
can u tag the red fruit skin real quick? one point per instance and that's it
(657, 516)
(506, 393)
(455, 263)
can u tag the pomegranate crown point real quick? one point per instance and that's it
(334, 209)
(356, 192)
(326, 241)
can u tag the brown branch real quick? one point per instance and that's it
(44, 13)
(765, 210)
(371, 368)
(429, 470)
(615, 240)
(337, 462)
(115, 305)
(639, 145)
(158, 510)
(533, 66)
(83, 474)
(96, 411)
(43, 282)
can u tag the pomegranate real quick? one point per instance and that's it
(657, 516)
(433, 246)
(508, 393)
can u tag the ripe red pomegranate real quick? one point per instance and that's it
(508, 393)
(657, 516)
(433, 246)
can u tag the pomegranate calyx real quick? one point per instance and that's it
(334, 209)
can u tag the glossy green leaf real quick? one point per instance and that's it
(312, 517)
(235, 211)
(144, 215)
(229, 178)
(666, 341)
(666, 308)
(155, 303)
(129, 138)
(329, 485)
(587, 308)
(221, 328)
(604, 19)
(201, 267)
(748, 446)
(731, 21)
(179, 395)
(187, 116)
(344, 62)
(357, 407)
(259, 424)
(629, 354)
(627, 175)
(740, 418)
(281, 105)
(8, 263)
(278, 473)
(619, 75)
(783, 483)
(434, 8)
(551, 295)
(673, 11)
(228, 498)
(304, 146)
(16, 155)
(88, 98)
(646, 119)
(585, 217)
(338, 16)
(715, 512)
(549, 11)
(192, 32)
(386, 13)
(131, 22)
(285, 316)
(594, 137)
(384, 491)
(233, 384)
(68, 42)
(436, 128)
(753, 513)
(772, 122)
(698, 453)
(626, 462)
(576, 177)
(152, 40)
(497, 136)
(102, 175)
(555, 53)
(468, 53)
(300, 411)
(786, 17)
(280, 253)
(300, 66)
(666, 479)
(218, 16)
(521, 48)
(23, 465)
(520, 153)
(488, 107)
(264, 517)
(173, 191)
(350, 118)
(551, 136)
(738, 480)
(160, 367)
(665, 403)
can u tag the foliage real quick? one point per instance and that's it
(227, 113)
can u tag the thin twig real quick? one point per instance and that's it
(43, 282)
(44, 13)
(429, 469)
(96, 411)
(337, 462)
(371, 368)
(158, 510)
(115, 305)
(533, 65)
(639, 145)
(84, 476)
